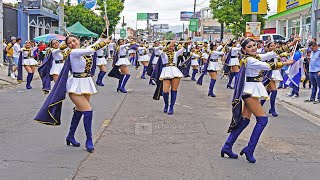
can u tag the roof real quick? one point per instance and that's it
(79, 30)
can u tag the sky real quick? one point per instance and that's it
(169, 10)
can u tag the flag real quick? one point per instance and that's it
(294, 70)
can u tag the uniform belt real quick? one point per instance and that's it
(26, 57)
(100, 56)
(214, 60)
(123, 56)
(253, 79)
(169, 64)
(141, 54)
(234, 56)
(157, 55)
(193, 58)
(59, 61)
(81, 75)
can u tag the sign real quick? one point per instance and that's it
(193, 27)
(253, 30)
(123, 33)
(254, 7)
(161, 26)
(153, 16)
(187, 15)
(317, 12)
(32, 4)
(89, 4)
(211, 29)
(142, 16)
(284, 5)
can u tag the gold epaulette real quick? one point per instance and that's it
(98, 46)
(66, 53)
(283, 49)
(276, 65)
(63, 47)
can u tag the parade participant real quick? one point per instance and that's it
(195, 56)
(295, 72)
(170, 75)
(111, 48)
(143, 59)
(234, 62)
(213, 67)
(249, 88)
(154, 59)
(101, 63)
(26, 59)
(132, 56)
(57, 58)
(79, 86)
(271, 87)
(122, 63)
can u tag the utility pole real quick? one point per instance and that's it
(1, 33)
(105, 16)
(183, 31)
(314, 7)
(61, 17)
(194, 16)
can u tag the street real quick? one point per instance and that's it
(136, 140)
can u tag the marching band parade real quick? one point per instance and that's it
(247, 73)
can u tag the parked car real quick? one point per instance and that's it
(274, 37)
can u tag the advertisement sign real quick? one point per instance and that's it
(153, 16)
(88, 3)
(123, 33)
(254, 7)
(253, 30)
(284, 5)
(187, 15)
(32, 4)
(193, 27)
(211, 29)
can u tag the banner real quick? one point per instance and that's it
(211, 29)
(88, 3)
(253, 30)
(187, 15)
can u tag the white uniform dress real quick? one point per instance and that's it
(194, 59)
(79, 64)
(143, 54)
(111, 47)
(57, 63)
(101, 60)
(276, 74)
(253, 68)
(213, 61)
(28, 60)
(123, 60)
(157, 52)
(234, 61)
(170, 71)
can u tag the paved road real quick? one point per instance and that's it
(141, 142)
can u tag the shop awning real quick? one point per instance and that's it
(79, 30)
(290, 11)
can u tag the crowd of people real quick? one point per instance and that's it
(257, 68)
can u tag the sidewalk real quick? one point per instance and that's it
(313, 109)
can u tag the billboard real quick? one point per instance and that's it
(88, 3)
(187, 15)
(147, 16)
(253, 30)
(153, 16)
(284, 5)
(254, 7)
(47, 5)
(32, 4)
(211, 29)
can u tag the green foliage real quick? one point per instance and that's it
(231, 15)
(114, 8)
(86, 17)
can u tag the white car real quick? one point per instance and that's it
(274, 37)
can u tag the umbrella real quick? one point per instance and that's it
(48, 37)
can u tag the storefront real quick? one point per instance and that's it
(293, 17)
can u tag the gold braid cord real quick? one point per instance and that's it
(170, 58)
(63, 47)
(283, 49)
(98, 46)
(89, 61)
(276, 65)
(66, 54)
(28, 50)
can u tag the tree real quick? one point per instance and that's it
(114, 8)
(86, 17)
(230, 13)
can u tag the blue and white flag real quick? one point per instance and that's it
(294, 70)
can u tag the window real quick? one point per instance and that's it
(264, 38)
(278, 38)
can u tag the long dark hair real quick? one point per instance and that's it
(70, 37)
(51, 41)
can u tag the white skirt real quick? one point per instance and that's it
(155, 60)
(170, 72)
(101, 61)
(81, 86)
(29, 62)
(123, 61)
(144, 58)
(255, 89)
(276, 75)
(213, 66)
(194, 62)
(56, 68)
(234, 62)
(131, 51)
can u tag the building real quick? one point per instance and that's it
(30, 19)
(293, 17)
(210, 28)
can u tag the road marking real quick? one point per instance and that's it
(184, 106)
(101, 129)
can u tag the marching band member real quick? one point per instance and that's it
(195, 55)
(249, 88)
(101, 63)
(143, 58)
(26, 59)
(111, 49)
(57, 58)
(234, 62)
